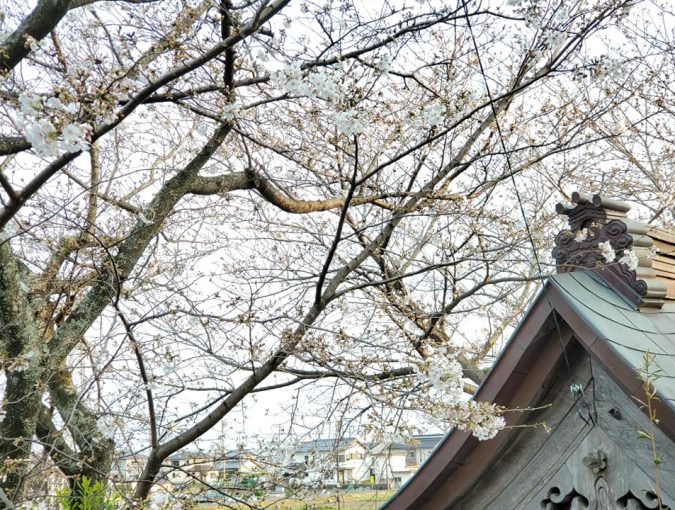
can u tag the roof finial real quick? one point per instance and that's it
(603, 239)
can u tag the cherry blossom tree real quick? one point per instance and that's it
(203, 201)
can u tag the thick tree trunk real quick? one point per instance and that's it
(22, 355)
(18, 428)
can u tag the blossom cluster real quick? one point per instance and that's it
(430, 116)
(481, 418)
(231, 111)
(46, 124)
(350, 122)
(444, 373)
(629, 259)
(316, 84)
(384, 64)
(607, 252)
(609, 255)
(107, 426)
(320, 85)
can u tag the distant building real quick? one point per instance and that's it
(230, 469)
(394, 462)
(127, 467)
(349, 462)
(325, 463)
(234, 469)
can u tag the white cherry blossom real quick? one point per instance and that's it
(607, 252)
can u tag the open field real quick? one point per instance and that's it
(367, 500)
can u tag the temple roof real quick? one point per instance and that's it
(620, 315)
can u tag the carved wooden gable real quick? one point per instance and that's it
(599, 475)
(590, 459)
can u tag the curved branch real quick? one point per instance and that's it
(249, 179)
(293, 205)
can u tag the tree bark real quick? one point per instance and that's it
(22, 352)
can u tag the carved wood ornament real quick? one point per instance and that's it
(598, 476)
(594, 221)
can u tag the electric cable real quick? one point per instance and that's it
(575, 388)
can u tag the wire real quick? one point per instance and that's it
(575, 388)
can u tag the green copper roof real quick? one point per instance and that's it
(627, 330)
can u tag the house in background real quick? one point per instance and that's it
(578, 362)
(233, 469)
(327, 462)
(393, 463)
(236, 467)
(230, 469)
(424, 446)
(321, 463)
(127, 467)
(350, 463)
